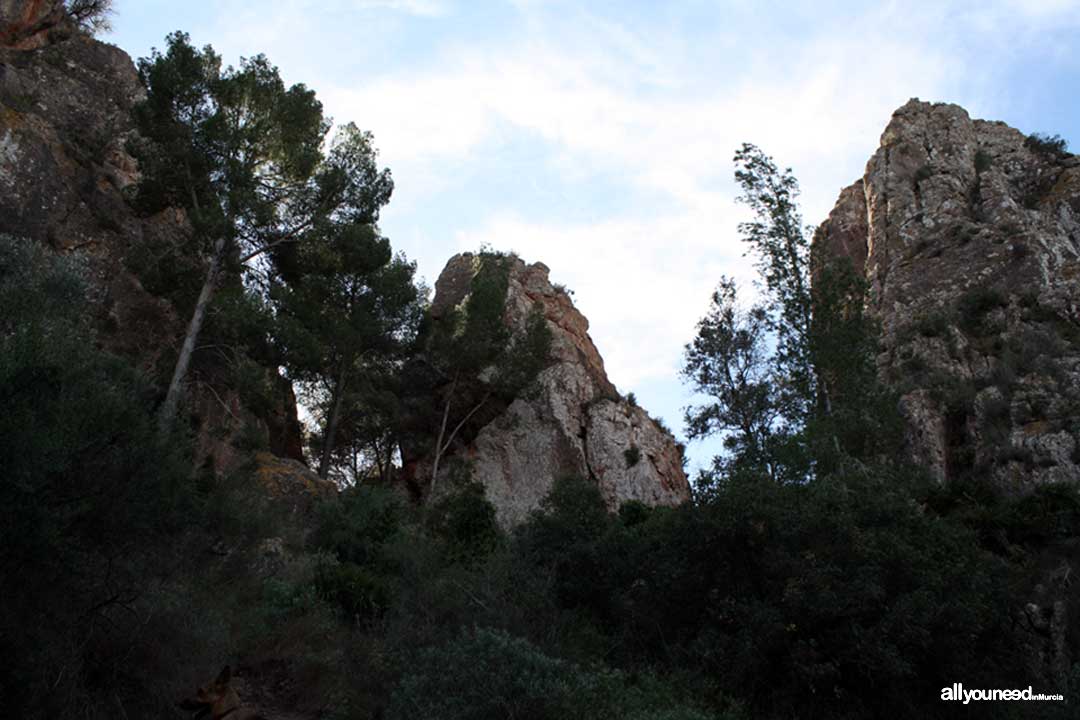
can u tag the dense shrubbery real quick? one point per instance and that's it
(859, 594)
(87, 486)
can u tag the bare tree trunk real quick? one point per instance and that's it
(332, 424)
(441, 448)
(172, 397)
(439, 440)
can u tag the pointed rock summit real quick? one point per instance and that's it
(573, 422)
(968, 233)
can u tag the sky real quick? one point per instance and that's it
(597, 136)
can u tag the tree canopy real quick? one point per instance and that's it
(243, 155)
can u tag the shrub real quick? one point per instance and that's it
(356, 525)
(1051, 146)
(564, 537)
(975, 304)
(932, 324)
(982, 161)
(632, 456)
(92, 496)
(487, 674)
(490, 675)
(358, 591)
(465, 523)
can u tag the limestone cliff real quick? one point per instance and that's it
(968, 233)
(573, 424)
(65, 121)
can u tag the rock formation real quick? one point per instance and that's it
(573, 424)
(65, 121)
(31, 24)
(968, 234)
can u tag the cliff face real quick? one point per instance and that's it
(969, 236)
(65, 120)
(574, 424)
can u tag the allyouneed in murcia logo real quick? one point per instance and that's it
(957, 693)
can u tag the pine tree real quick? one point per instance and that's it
(242, 155)
(345, 320)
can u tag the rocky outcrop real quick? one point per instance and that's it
(65, 122)
(290, 482)
(31, 24)
(573, 423)
(968, 234)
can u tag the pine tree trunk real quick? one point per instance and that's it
(439, 441)
(332, 423)
(172, 397)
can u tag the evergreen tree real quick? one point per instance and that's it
(791, 380)
(345, 320)
(91, 16)
(242, 155)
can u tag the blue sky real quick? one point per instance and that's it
(597, 137)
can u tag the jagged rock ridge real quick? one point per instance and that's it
(575, 424)
(968, 233)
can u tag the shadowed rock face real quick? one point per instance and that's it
(575, 423)
(969, 237)
(65, 120)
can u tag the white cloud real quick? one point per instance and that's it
(424, 8)
(642, 283)
(637, 108)
(627, 278)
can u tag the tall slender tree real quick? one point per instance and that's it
(771, 372)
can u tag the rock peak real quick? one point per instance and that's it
(574, 424)
(968, 233)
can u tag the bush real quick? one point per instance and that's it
(91, 495)
(837, 598)
(465, 523)
(1051, 146)
(975, 304)
(632, 455)
(357, 525)
(932, 324)
(486, 675)
(490, 675)
(982, 161)
(564, 537)
(359, 592)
